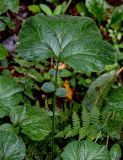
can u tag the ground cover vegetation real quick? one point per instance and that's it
(61, 77)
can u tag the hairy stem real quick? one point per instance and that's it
(105, 123)
(54, 107)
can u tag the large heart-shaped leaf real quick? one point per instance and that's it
(36, 124)
(34, 121)
(75, 41)
(99, 90)
(12, 5)
(84, 150)
(11, 146)
(9, 94)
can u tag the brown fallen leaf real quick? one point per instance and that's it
(70, 91)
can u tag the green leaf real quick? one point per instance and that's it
(97, 8)
(2, 26)
(11, 146)
(84, 150)
(33, 73)
(115, 152)
(117, 16)
(51, 1)
(23, 63)
(8, 22)
(65, 73)
(33, 121)
(75, 41)
(9, 94)
(57, 10)
(99, 90)
(34, 8)
(17, 115)
(46, 9)
(29, 93)
(3, 52)
(75, 121)
(63, 7)
(12, 5)
(36, 123)
(9, 127)
(61, 92)
(52, 72)
(8, 87)
(81, 8)
(48, 87)
(9, 102)
(115, 99)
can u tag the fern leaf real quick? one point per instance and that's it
(85, 117)
(60, 134)
(92, 132)
(75, 121)
(72, 133)
(95, 116)
(67, 131)
(82, 132)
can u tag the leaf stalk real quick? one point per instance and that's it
(53, 110)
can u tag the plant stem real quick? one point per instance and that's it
(53, 110)
(107, 141)
(68, 4)
(105, 123)
(99, 23)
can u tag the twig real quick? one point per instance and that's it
(18, 17)
(68, 4)
(107, 141)
(103, 126)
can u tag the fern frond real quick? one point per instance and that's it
(67, 130)
(60, 134)
(71, 133)
(85, 117)
(33, 151)
(92, 132)
(82, 132)
(75, 121)
(95, 116)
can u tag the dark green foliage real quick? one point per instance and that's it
(97, 124)
(117, 17)
(115, 152)
(12, 5)
(97, 8)
(68, 74)
(98, 90)
(11, 146)
(3, 51)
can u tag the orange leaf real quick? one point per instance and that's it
(69, 95)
